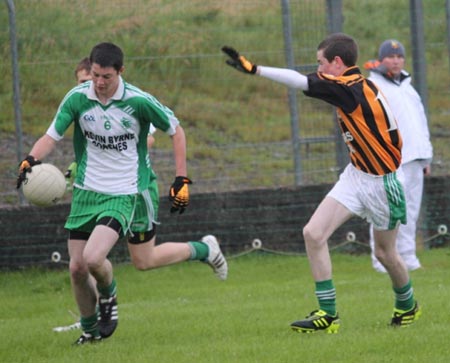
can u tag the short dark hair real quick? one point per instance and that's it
(107, 55)
(341, 45)
(83, 65)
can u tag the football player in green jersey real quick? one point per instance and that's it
(111, 121)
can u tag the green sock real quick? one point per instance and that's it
(90, 325)
(404, 297)
(326, 294)
(108, 291)
(199, 250)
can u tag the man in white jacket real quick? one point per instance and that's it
(395, 83)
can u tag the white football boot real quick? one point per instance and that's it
(216, 259)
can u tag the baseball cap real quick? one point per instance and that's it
(389, 47)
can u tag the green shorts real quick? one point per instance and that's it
(146, 212)
(88, 207)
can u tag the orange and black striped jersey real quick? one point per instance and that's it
(368, 126)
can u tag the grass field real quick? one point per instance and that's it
(183, 314)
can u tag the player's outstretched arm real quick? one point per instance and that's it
(286, 76)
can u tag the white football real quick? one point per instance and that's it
(44, 186)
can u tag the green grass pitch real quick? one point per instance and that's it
(183, 314)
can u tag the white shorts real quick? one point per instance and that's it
(378, 199)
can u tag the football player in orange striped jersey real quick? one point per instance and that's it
(370, 185)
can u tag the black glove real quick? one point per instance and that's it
(25, 167)
(179, 194)
(239, 61)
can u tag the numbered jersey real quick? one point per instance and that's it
(110, 141)
(368, 126)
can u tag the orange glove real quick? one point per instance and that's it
(239, 61)
(179, 194)
(25, 167)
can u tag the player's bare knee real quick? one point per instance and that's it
(78, 271)
(378, 252)
(143, 261)
(312, 235)
(93, 264)
(306, 232)
(142, 265)
(381, 256)
(387, 258)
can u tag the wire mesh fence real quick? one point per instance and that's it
(239, 129)
(232, 135)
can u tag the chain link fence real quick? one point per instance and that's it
(241, 131)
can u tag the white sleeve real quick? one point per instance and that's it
(288, 77)
(172, 130)
(152, 129)
(51, 131)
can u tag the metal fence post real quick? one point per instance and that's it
(418, 50)
(16, 85)
(447, 9)
(292, 93)
(335, 21)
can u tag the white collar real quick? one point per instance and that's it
(116, 96)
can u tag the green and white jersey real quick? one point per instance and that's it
(110, 141)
